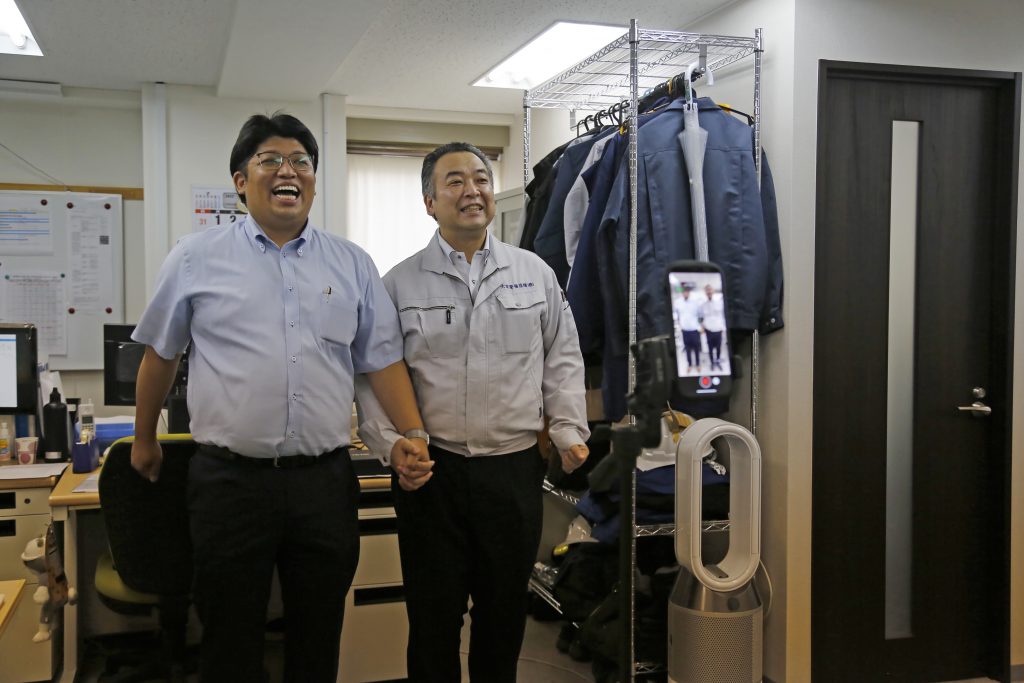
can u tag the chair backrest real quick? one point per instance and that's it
(147, 523)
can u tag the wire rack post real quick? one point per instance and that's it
(643, 59)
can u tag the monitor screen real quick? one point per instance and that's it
(121, 359)
(19, 371)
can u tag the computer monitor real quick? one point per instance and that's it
(19, 368)
(121, 359)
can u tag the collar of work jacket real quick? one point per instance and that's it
(435, 261)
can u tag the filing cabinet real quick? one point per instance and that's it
(24, 515)
(376, 630)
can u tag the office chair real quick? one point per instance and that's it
(149, 565)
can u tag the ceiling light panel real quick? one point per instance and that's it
(563, 44)
(15, 36)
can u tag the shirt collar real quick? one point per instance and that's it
(451, 253)
(256, 234)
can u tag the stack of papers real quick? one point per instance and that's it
(40, 471)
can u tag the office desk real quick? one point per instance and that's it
(11, 590)
(66, 504)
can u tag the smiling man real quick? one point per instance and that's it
(492, 349)
(281, 317)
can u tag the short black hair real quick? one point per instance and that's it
(430, 161)
(259, 128)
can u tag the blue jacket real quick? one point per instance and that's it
(743, 231)
(550, 241)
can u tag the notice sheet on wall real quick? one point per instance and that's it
(26, 225)
(90, 225)
(39, 298)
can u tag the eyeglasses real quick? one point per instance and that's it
(301, 162)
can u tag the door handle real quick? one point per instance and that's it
(977, 409)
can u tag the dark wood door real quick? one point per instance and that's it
(962, 265)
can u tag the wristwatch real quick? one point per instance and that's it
(417, 434)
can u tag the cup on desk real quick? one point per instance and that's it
(26, 448)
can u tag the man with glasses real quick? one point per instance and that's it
(281, 316)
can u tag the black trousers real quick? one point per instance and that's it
(691, 342)
(714, 345)
(246, 519)
(471, 532)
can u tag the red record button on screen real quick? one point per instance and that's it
(705, 382)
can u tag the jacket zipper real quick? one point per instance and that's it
(447, 311)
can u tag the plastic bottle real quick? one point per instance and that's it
(56, 428)
(5, 443)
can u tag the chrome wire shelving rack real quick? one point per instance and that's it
(645, 58)
(602, 79)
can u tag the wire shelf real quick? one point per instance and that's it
(567, 496)
(644, 668)
(544, 594)
(603, 78)
(643, 529)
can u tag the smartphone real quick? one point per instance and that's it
(699, 305)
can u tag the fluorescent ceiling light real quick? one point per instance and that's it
(553, 51)
(15, 36)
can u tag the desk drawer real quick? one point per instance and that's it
(25, 502)
(373, 641)
(22, 660)
(15, 533)
(379, 561)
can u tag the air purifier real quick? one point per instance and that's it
(715, 614)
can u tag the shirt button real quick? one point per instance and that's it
(293, 359)
(300, 252)
(291, 323)
(295, 397)
(291, 434)
(289, 289)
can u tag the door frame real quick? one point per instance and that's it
(1005, 232)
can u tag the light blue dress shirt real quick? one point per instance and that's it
(278, 335)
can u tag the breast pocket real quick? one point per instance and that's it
(521, 319)
(432, 328)
(339, 320)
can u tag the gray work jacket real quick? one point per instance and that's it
(486, 373)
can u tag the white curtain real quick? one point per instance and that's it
(386, 216)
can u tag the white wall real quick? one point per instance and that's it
(89, 137)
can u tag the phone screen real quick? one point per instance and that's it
(698, 314)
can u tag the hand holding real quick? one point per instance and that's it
(410, 458)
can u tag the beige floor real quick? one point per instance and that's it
(539, 661)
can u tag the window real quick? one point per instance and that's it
(386, 216)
